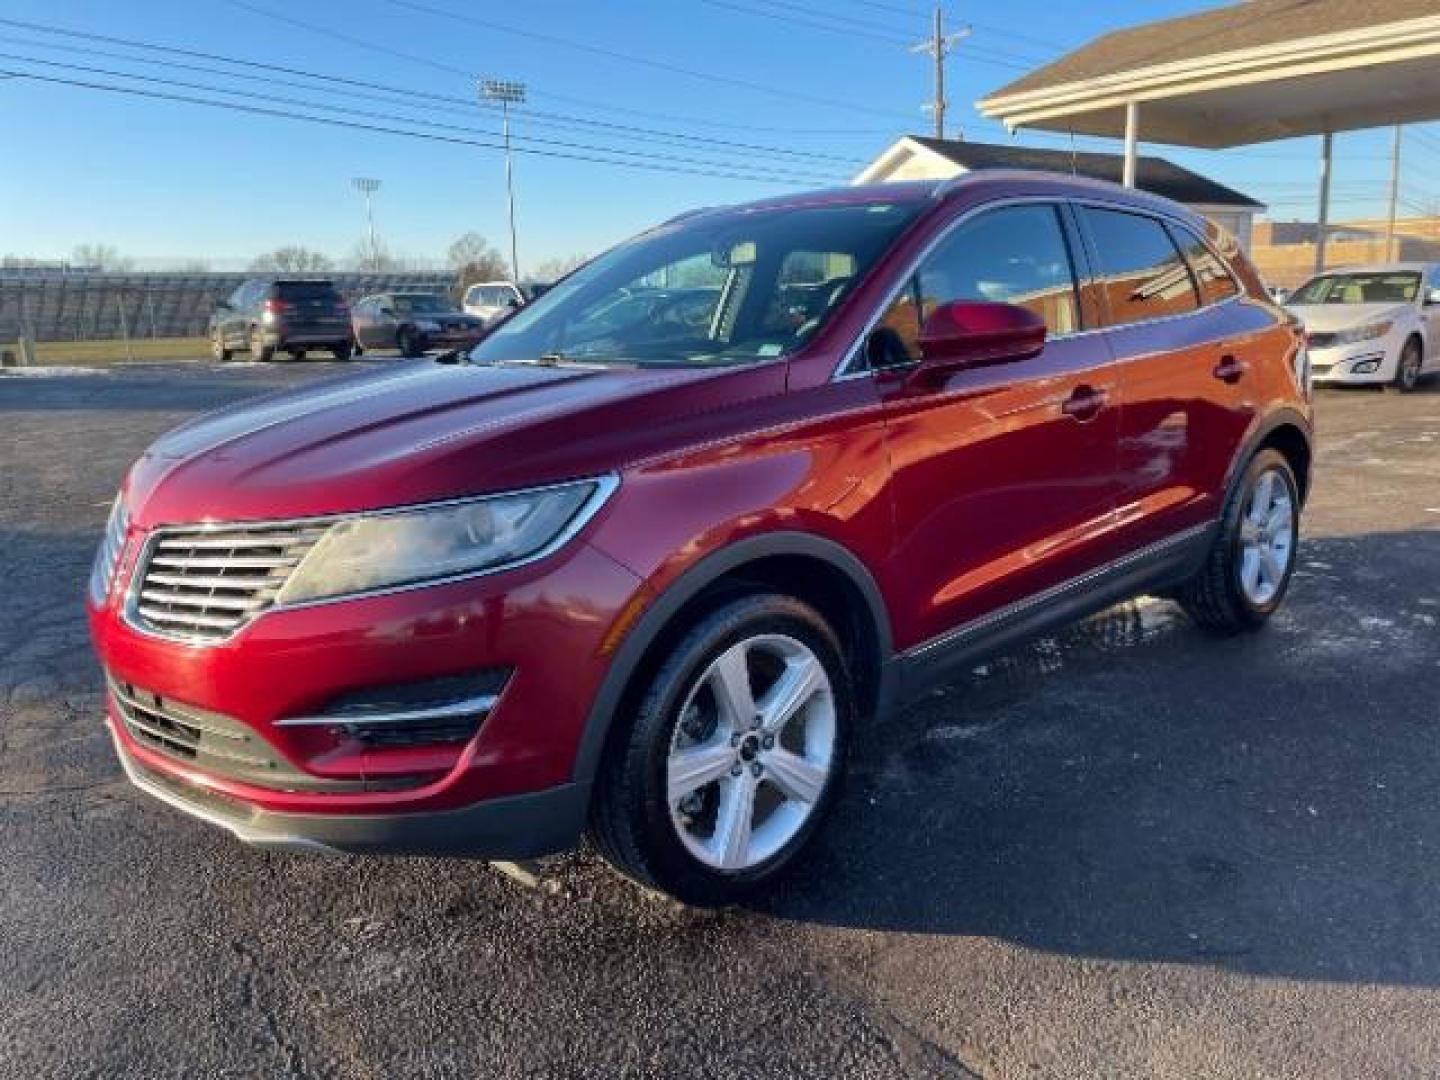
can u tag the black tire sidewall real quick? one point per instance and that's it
(1412, 349)
(674, 867)
(1263, 462)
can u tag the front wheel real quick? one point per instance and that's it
(218, 350)
(732, 757)
(344, 351)
(1248, 570)
(1407, 371)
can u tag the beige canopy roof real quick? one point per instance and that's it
(1247, 73)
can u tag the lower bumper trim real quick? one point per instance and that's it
(508, 828)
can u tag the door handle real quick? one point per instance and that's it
(1230, 370)
(1084, 404)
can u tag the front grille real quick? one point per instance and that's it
(205, 584)
(108, 555)
(212, 742)
(1320, 341)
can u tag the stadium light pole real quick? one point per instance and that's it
(368, 186)
(507, 94)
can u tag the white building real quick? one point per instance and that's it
(915, 157)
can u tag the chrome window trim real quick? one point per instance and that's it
(605, 486)
(849, 368)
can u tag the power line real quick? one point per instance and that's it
(631, 58)
(810, 24)
(723, 172)
(276, 99)
(356, 87)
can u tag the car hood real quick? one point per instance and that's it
(411, 434)
(1327, 318)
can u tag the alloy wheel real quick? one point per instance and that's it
(1267, 538)
(752, 752)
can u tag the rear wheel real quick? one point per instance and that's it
(344, 351)
(732, 759)
(260, 351)
(1248, 571)
(297, 354)
(1407, 372)
(408, 342)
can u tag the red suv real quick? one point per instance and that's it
(653, 555)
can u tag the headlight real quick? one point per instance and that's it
(102, 572)
(1368, 332)
(408, 547)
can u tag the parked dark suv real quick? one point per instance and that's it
(270, 315)
(649, 568)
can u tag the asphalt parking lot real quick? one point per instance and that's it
(1128, 850)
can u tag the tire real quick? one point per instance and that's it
(409, 343)
(218, 351)
(1407, 371)
(263, 353)
(344, 352)
(297, 355)
(1246, 574)
(679, 846)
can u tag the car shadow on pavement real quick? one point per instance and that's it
(1135, 789)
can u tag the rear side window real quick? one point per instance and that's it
(305, 290)
(1211, 275)
(1140, 272)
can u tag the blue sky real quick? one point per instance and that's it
(160, 179)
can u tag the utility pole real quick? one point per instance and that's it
(507, 94)
(1394, 194)
(938, 46)
(368, 186)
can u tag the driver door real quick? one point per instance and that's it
(1004, 476)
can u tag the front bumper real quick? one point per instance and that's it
(507, 828)
(549, 625)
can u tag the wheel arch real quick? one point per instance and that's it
(1289, 432)
(818, 571)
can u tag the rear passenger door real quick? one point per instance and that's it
(1003, 476)
(1183, 362)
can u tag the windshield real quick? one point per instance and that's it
(1379, 287)
(724, 289)
(417, 304)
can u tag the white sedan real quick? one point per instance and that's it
(1372, 324)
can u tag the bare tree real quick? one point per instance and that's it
(102, 257)
(553, 269)
(374, 258)
(293, 259)
(473, 259)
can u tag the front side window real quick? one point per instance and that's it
(1140, 272)
(722, 288)
(1015, 255)
(1211, 275)
(419, 304)
(1365, 287)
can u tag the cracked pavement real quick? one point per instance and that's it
(1127, 850)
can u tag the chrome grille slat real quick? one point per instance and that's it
(179, 715)
(203, 600)
(203, 584)
(219, 562)
(221, 581)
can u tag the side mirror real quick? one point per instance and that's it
(513, 303)
(976, 333)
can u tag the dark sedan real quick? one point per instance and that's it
(413, 323)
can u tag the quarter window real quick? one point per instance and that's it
(1140, 272)
(1211, 275)
(1016, 255)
